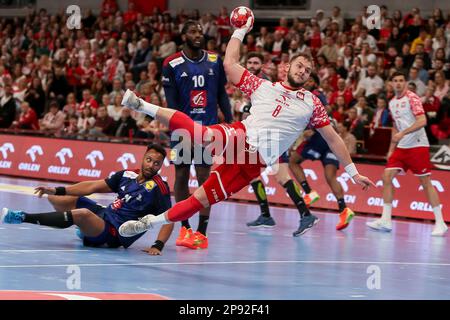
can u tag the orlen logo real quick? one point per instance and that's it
(310, 173)
(343, 179)
(6, 148)
(33, 152)
(61, 155)
(124, 158)
(92, 157)
(437, 184)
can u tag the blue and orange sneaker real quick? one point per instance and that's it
(344, 218)
(196, 241)
(184, 234)
(11, 217)
(311, 197)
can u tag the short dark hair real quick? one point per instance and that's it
(304, 55)
(397, 74)
(187, 25)
(255, 54)
(158, 148)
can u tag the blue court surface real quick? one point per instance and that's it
(353, 264)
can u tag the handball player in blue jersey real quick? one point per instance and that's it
(139, 192)
(194, 83)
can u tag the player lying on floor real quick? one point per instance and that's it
(137, 195)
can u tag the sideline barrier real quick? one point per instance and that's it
(73, 161)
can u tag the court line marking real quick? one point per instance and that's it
(50, 250)
(155, 264)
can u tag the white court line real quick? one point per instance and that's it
(32, 251)
(155, 264)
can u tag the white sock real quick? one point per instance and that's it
(149, 108)
(160, 219)
(438, 215)
(387, 212)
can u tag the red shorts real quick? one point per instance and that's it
(415, 159)
(242, 163)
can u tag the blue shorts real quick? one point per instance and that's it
(284, 158)
(322, 153)
(109, 236)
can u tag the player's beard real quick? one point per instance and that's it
(293, 83)
(193, 46)
(148, 174)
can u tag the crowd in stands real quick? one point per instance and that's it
(69, 83)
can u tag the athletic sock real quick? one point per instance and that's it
(305, 186)
(294, 193)
(203, 224)
(438, 215)
(185, 223)
(341, 204)
(51, 219)
(261, 196)
(387, 212)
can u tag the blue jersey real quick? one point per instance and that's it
(135, 200)
(196, 87)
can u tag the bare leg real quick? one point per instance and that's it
(63, 203)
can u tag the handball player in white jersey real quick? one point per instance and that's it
(409, 150)
(280, 113)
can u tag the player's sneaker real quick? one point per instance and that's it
(344, 218)
(262, 222)
(11, 217)
(131, 101)
(135, 227)
(184, 234)
(306, 223)
(196, 241)
(311, 197)
(439, 230)
(380, 225)
(79, 233)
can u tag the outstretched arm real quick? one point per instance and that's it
(233, 69)
(339, 149)
(79, 189)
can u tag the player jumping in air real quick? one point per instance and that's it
(280, 113)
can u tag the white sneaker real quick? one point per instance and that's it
(439, 230)
(135, 227)
(380, 225)
(131, 101)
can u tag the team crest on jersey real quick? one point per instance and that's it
(198, 98)
(212, 57)
(150, 185)
(300, 95)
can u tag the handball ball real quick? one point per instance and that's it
(239, 17)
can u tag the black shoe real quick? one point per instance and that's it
(306, 223)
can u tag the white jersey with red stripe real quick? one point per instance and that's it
(278, 115)
(404, 111)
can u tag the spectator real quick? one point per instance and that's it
(414, 77)
(329, 50)
(35, 96)
(71, 130)
(126, 126)
(343, 128)
(53, 121)
(282, 66)
(115, 68)
(27, 119)
(365, 37)
(115, 110)
(85, 122)
(88, 102)
(116, 89)
(104, 125)
(372, 84)
(7, 107)
(442, 86)
(72, 106)
(382, 116)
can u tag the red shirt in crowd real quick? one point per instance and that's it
(29, 120)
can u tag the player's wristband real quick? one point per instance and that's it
(60, 191)
(158, 245)
(351, 170)
(239, 34)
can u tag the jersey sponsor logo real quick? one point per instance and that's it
(176, 62)
(150, 185)
(198, 98)
(212, 57)
(184, 74)
(117, 204)
(211, 72)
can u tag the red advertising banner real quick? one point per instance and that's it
(73, 161)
